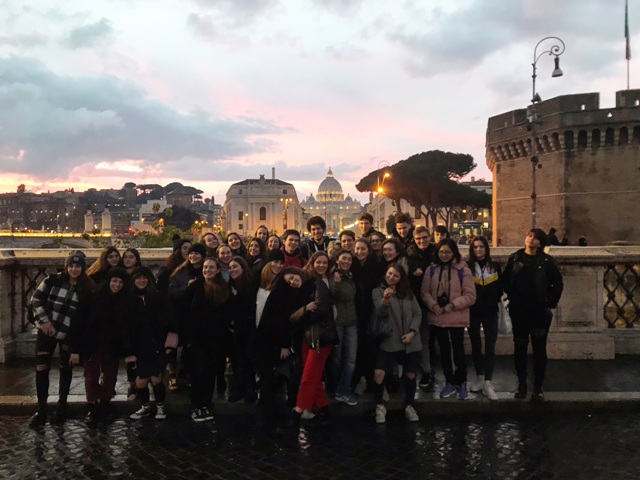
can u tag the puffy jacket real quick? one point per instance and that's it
(457, 282)
(530, 288)
(405, 315)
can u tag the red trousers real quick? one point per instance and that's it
(311, 394)
(93, 367)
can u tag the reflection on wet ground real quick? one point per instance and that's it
(545, 446)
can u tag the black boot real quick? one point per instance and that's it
(94, 414)
(39, 418)
(60, 413)
(293, 422)
(521, 392)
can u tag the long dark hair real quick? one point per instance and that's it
(403, 288)
(473, 259)
(175, 259)
(101, 263)
(242, 250)
(262, 255)
(245, 278)
(449, 242)
(218, 292)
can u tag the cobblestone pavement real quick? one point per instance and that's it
(574, 446)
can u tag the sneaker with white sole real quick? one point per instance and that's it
(160, 413)
(448, 390)
(197, 415)
(142, 412)
(488, 391)
(307, 415)
(208, 414)
(381, 414)
(411, 414)
(477, 386)
(463, 394)
(348, 399)
(361, 387)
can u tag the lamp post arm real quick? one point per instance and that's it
(556, 50)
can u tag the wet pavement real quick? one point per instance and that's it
(585, 429)
(546, 446)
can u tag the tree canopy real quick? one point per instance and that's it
(428, 181)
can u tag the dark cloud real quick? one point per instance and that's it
(462, 39)
(93, 35)
(60, 122)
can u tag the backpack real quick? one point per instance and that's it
(432, 269)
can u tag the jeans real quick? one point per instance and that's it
(97, 364)
(489, 323)
(451, 339)
(343, 359)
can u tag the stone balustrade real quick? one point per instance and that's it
(597, 317)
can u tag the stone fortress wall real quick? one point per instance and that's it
(588, 179)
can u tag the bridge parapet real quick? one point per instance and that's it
(598, 315)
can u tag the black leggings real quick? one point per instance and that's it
(489, 323)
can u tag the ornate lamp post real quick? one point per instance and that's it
(380, 189)
(556, 50)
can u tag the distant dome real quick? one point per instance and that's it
(329, 186)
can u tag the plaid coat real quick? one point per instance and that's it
(55, 300)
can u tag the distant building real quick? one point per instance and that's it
(588, 175)
(261, 201)
(331, 204)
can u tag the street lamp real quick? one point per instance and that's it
(380, 188)
(556, 50)
(285, 212)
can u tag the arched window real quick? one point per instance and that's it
(608, 137)
(263, 214)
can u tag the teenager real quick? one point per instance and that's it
(448, 291)
(54, 304)
(178, 256)
(152, 330)
(208, 317)
(109, 258)
(318, 242)
(131, 259)
(235, 243)
(395, 301)
(533, 284)
(487, 277)
(98, 337)
(224, 254)
(211, 243)
(256, 254)
(291, 249)
(262, 232)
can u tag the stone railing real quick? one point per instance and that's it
(598, 316)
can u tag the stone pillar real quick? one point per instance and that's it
(8, 306)
(88, 222)
(106, 220)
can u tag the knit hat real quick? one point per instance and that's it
(146, 271)
(76, 257)
(118, 272)
(275, 254)
(198, 248)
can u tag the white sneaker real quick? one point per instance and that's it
(142, 412)
(361, 387)
(478, 385)
(488, 391)
(411, 414)
(160, 413)
(307, 415)
(381, 414)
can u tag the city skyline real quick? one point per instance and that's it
(210, 93)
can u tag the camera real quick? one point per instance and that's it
(443, 300)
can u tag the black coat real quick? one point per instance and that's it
(206, 322)
(150, 318)
(100, 324)
(540, 286)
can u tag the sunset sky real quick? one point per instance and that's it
(210, 92)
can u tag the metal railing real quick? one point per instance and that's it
(622, 295)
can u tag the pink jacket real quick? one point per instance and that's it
(462, 294)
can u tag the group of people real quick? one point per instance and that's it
(311, 318)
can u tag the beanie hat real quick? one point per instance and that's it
(146, 271)
(275, 254)
(118, 272)
(198, 248)
(76, 257)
